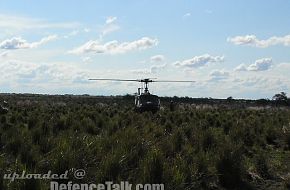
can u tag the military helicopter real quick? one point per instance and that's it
(144, 100)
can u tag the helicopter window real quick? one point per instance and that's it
(153, 99)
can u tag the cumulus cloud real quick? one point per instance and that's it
(114, 47)
(36, 73)
(14, 43)
(54, 77)
(19, 43)
(153, 69)
(252, 40)
(259, 65)
(241, 67)
(157, 58)
(17, 70)
(265, 83)
(199, 61)
(217, 75)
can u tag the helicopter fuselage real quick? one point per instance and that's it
(147, 102)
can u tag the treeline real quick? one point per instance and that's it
(279, 99)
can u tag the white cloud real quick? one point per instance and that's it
(86, 30)
(157, 58)
(252, 40)
(87, 59)
(55, 78)
(14, 43)
(77, 32)
(199, 61)
(114, 47)
(157, 68)
(72, 33)
(16, 70)
(153, 69)
(264, 83)
(4, 54)
(111, 19)
(41, 73)
(141, 71)
(186, 15)
(20, 76)
(19, 43)
(241, 67)
(259, 65)
(9, 22)
(217, 75)
(109, 29)
(109, 26)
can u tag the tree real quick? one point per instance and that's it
(280, 98)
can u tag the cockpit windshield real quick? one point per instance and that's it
(149, 98)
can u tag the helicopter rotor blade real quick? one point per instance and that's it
(173, 81)
(129, 80)
(146, 80)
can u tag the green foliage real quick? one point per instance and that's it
(262, 165)
(230, 168)
(186, 148)
(152, 168)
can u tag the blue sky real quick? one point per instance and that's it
(230, 48)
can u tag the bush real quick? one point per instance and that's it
(152, 168)
(261, 163)
(230, 168)
(110, 168)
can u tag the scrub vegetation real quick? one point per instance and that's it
(197, 144)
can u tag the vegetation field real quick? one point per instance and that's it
(195, 145)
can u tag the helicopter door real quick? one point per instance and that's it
(137, 100)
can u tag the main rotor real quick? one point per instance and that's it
(146, 81)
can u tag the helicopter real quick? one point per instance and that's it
(144, 100)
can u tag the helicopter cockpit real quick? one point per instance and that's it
(146, 102)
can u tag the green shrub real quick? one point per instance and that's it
(230, 168)
(177, 141)
(109, 169)
(152, 167)
(262, 166)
